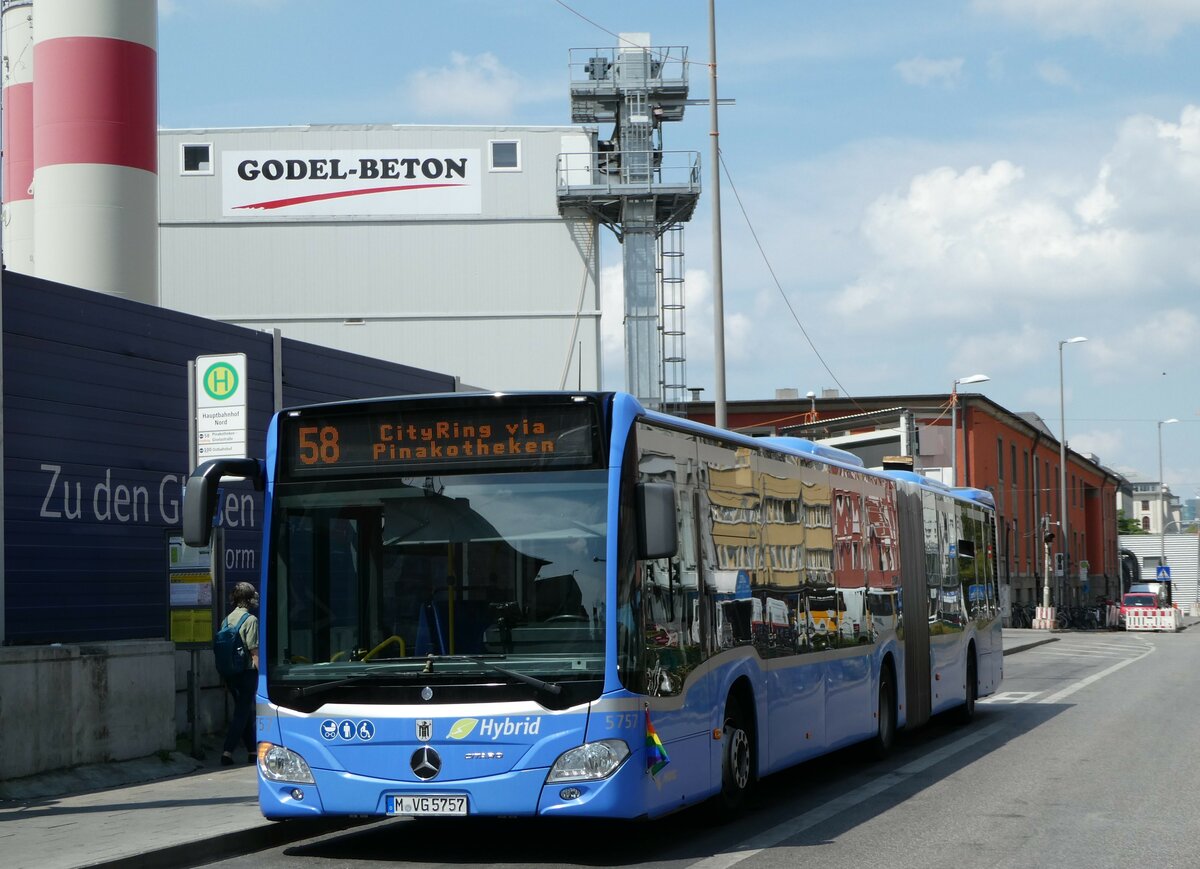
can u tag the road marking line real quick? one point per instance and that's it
(834, 808)
(1011, 697)
(1083, 683)
(1081, 652)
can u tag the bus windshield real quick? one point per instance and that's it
(467, 579)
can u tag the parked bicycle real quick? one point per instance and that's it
(1022, 614)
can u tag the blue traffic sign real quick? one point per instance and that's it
(1163, 571)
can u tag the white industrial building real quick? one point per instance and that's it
(1179, 552)
(441, 247)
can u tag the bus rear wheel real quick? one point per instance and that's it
(737, 755)
(885, 732)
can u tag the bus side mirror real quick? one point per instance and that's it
(657, 531)
(200, 495)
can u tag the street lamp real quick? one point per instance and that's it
(1064, 540)
(1162, 497)
(974, 378)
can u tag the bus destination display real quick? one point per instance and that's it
(391, 439)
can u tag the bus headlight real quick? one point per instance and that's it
(591, 761)
(281, 764)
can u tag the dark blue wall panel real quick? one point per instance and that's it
(96, 452)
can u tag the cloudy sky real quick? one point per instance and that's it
(914, 193)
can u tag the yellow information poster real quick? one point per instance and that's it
(191, 595)
(191, 626)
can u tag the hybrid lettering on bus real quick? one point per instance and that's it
(564, 604)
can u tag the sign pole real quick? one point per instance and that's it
(193, 675)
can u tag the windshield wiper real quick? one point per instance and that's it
(322, 687)
(548, 687)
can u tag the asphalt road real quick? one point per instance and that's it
(1084, 759)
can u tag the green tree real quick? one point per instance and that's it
(1128, 526)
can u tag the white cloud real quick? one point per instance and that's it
(1018, 349)
(1138, 349)
(612, 326)
(1099, 204)
(923, 71)
(1106, 444)
(973, 241)
(958, 242)
(1153, 171)
(1145, 23)
(1172, 333)
(996, 66)
(478, 88)
(1056, 74)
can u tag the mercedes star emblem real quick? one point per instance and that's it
(426, 763)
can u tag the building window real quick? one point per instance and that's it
(505, 155)
(1145, 505)
(1030, 516)
(195, 158)
(1145, 523)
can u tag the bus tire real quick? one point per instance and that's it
(966, 712)
(737, 759)
(885, 716)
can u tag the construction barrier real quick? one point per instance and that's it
(1151, 619)
(1044, 619)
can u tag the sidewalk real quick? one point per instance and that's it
(156, 812)
(147, 813)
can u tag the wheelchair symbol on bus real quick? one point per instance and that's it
(347, 729)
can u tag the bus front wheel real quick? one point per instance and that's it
(737, 754)
(966, 712)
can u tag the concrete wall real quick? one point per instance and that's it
(66, 705)
(216, 705)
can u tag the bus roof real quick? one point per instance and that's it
(823, 451)
(785, 443)
(965, 493)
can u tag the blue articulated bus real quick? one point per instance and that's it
(565, 604)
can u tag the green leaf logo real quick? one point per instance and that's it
(462, 728)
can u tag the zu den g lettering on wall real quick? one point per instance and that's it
(107, 500)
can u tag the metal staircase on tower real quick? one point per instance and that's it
(640, 192)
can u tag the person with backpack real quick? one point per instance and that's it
(236, 652)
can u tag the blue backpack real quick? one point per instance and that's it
(229, 650)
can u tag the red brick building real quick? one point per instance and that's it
(1015, 456)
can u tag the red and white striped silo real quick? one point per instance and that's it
(17, 210)
(95, 144)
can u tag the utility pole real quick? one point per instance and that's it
(1047, 539)
(1045, 620)
(720, 415)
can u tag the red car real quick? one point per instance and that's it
(1137, 600)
